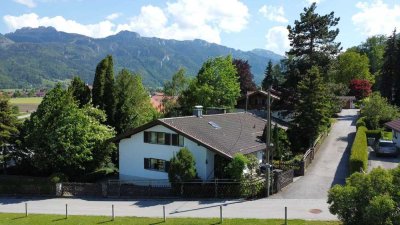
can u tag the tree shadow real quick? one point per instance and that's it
(342, 169)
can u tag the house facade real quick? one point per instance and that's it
(395, 127)
(256, 100)
(145, 152)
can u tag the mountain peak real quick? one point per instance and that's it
(41, 34)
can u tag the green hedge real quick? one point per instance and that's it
(360, 122)
(377, 134)
(359, 151)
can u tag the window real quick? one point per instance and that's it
(163, 138)
(156, 164)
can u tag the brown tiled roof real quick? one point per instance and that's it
(274, 94)
(395, 125)
(226, 134)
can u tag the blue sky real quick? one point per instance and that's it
(241, 24)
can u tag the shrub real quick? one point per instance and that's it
(360, 122)
(377, 111)
(58, 177)
(236, 166)
(359, 151)
(182, 167)
(377, 134)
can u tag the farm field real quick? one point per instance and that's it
(27, 104)
(20, 219)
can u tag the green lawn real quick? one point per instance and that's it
(387, 135)
(33, 219)
(27, 100)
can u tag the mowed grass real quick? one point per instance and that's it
(27, 100)
(36, 219)
(26, 105)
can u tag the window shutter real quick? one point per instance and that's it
(146, 137)
(167, 166)
(146, 163)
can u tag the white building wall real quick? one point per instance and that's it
(133, 150)
(396, 138)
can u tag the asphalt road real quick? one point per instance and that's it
(306, 198)
(387, 162)
(330, 164)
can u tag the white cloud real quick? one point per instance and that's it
(277, 40)
(376, 18)
(28, 3)
(101, 29)
(114, 16)
(273, 13)
(181, 20)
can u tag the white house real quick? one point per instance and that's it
(144, 152)
(395, 126)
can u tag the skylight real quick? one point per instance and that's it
(213, 124)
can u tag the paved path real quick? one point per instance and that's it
(303, 198)
(387, 162)
(331, 162)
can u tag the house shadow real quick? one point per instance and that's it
(216, 205)
(144, 203)
(7, 200)
(343, 168)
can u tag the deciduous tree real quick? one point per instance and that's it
(360, 88)
(80, 91)
(246, 81)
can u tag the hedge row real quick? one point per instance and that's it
(360, 122)
(359, 151)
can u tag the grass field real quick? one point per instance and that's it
(33, 219)
(26, 105)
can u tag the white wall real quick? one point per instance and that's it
(396, 138)
(133, 150)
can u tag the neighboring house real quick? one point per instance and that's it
(256, 100)
(348, 102)
(157, 100)
(144, 152)
(395, 126)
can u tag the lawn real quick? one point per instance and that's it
(27, 100)
(33, 219)
(387, 135)
(26, 105)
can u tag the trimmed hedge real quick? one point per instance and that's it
(377, 134)
(359, 151)
(360, 122)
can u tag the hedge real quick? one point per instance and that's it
(360, 122)
(359, 151)
(377, 134)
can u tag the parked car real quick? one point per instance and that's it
(386, 147)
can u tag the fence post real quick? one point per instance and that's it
(220, 214)
(26, 209)
(164, 216)
(285, 215)
(112, 213)
(66, 211)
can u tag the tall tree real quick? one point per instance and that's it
(312, 41)
(352, 65)
(389, 68)
(177, 85)
(246, 81)
(268, 77)
(133, 106)
(8, 129)
(80, 91)
(65, 138)
(216, 85)
(98, 83)
(311, 111)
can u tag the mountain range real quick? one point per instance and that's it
(37, 57)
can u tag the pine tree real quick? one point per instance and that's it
(268, 77)
(109, 92)
(98, 84)
(312, 111)
(80, 91)
(389, 68)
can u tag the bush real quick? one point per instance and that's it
(58, 177)
(182, 167)
(236, 166)
(377, 134)
(359, 152)
(377, 111)
(360, 122)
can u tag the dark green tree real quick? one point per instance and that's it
(311, 111)
(109, 92)
(80, 91)
(390, 67)
(65, 138)
(246, 78)
(8, 129)
(98, 84)
(268, 77)
(177, 85)
(236, 167)
(133, 103)
(216, 85)
(182, 167)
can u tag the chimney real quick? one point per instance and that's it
(198, 111)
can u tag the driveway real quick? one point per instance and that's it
(387, 162)
(330, 164)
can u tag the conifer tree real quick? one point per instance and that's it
(80, 91)
(98, 83)
(389, 68)
(109, 92)
(268, 77)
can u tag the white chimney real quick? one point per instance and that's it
(198, 111)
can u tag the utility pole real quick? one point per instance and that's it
(247, 99)
(268, 144)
